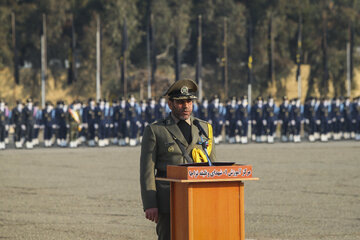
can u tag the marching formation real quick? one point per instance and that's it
(123, 121)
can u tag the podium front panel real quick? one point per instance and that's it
(207, 210)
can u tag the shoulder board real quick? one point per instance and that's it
(201, 120)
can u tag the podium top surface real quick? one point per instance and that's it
(201, 172)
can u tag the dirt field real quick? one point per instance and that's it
(306, 191)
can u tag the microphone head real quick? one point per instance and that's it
(196, 122)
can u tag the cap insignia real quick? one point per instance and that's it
(184, 90)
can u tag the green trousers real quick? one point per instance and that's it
(163, 226)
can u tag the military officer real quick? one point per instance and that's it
(172, 140)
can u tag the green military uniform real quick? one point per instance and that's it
(159, 149)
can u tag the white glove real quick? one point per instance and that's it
(239, 123)
(23, 127)
(138, 123)
(221, 122)
(128, 123)
(318, 122)
(281, 121)
(293, 122)
(307, 121)
(254, 122)
(264, 122)
(96, 126)
(227, 123)
(210, 121)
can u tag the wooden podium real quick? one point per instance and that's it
(208, 202)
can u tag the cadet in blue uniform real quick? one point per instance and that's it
(258, 120)
(310, 118)
(296, 112)
(284, 114)
(347, 123)
(108, 122)
(216, 118)
(243, 119)
(270, 120)
(121, 120)
(133, 120)
(151, 111)
(100, 119)
(47, 122)
(90, 122)
(3, 124)
(356, 117)
(161, 111)
(336, 110)
(143, 118)
(203, 111)
(17, 123)
(231, 120)
(37, 115)
(28, 122)
(325, 121)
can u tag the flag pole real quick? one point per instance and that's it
(43, 62)
(298, 59)
(199, 59)
(98, 60)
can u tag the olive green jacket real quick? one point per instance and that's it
(159, 149)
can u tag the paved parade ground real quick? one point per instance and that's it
(306, 191)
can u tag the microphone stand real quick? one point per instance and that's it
(204, 145)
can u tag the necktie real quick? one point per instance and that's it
(185, 128)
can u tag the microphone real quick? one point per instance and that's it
(203, 143)
(202, 131)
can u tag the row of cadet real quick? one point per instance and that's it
(123, 121)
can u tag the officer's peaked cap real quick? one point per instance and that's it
(182, 89)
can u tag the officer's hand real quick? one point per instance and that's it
(152, 214)
(128, 123)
